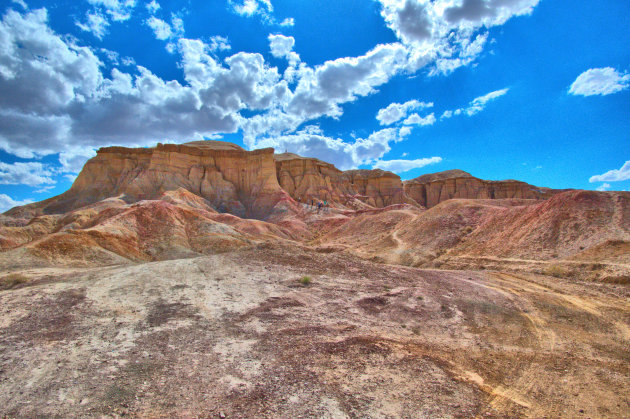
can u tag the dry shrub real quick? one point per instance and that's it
(556, 271)
(617, 279)
(12, 280)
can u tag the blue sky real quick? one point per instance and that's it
(535, 90)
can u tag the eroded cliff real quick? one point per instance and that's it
(230, 178)
(312, 179)
(429, 190)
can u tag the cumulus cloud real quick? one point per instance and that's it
(31, 174)
(161, 29)
(415, 119)
(118, 10)
(288, 22)
(164, 31)
(153, 6)
(448, 31)
(55, 96)
(599, 81)
(219, 43)
(402, 165)
(311, 142)
(614, 175)
(397, 111)
(603, 187)
(95, 23)
(252, 7)
(6, 202)
(282, 47)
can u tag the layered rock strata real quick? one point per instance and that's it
(309, 179)
(230, 178)
(429, 190)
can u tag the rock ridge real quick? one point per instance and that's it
(429, 190)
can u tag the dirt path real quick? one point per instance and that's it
(238, 334)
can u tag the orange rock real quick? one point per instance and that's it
(429, 190)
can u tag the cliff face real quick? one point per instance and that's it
(231, 179)
(430, 190)
(259, 184)
(308, 178)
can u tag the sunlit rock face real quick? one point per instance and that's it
(230, 178)
(429, 190)
(309, 179)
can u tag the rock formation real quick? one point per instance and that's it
(230, 178)
(309, 178)
(429, 190)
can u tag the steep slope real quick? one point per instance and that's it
(429, 190)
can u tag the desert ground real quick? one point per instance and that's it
(289, 331)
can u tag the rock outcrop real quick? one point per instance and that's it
(230, 178)
(429, 190)
(309, 178)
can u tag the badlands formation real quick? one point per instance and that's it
(199, 280)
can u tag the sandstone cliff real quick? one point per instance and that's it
(429, 190)
(230, 178)
(309, 178)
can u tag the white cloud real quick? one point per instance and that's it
(599, 81)
(30, 174)
(6, 202)
(415, 119)
(112, 56)
(21, 3)
(603, 187)
(252, 7)
(128, 61)
(288, 22)
(71, 177)
(95, 23)
(118, 10)
(614, 175)
(153, 6)
(401, 165)
(54, 96)
(310, 142)
(161, 29)
(219, 43)
(282, 47)
(45, 189)
(165, 32)
(397, 111)
(448, 31)
(476, 105)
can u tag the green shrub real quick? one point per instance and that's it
(305, 280)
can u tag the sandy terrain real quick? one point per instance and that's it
(238, 334)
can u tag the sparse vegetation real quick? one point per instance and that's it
(305, 280)
(12, 280)
(556, 271)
